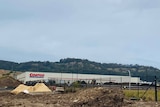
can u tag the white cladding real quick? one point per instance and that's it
(34, 76)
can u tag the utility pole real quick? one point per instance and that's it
(76, 65)
(129, 79)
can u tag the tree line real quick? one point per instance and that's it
(83, 66)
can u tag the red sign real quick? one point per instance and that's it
(36, 75)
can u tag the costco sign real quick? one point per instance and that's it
(36, 75)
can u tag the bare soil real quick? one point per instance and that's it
(8, 81)
(92, 97)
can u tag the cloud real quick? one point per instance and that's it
(105, 31)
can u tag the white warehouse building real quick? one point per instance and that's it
(71, 77)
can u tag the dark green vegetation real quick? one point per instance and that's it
(72, 65)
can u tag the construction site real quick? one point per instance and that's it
(14, 93)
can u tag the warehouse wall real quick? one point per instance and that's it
(33, 76)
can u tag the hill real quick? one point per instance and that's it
(84, 66)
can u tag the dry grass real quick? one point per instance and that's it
(148, 96)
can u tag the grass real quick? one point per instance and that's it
(148, 96)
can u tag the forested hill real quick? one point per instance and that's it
(72, 65)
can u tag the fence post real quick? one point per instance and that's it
(156, 97)
(121, 83)
(138, 89)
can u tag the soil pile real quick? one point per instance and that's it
(20, 89)
(98, 97)
(8, 81)
(39, 87)
(92, 97)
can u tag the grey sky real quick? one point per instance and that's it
(109, 31)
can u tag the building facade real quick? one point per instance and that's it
(71, 77)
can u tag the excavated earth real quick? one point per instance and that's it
(91, 97)
(8, 81)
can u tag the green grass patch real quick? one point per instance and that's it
(148, 96)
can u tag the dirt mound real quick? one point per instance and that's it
(8, 81)
(39, 87)
(98, 97)
(92, 97)
(20, 89)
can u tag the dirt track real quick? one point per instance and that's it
(93, 97)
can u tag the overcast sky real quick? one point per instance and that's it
(107, 31)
